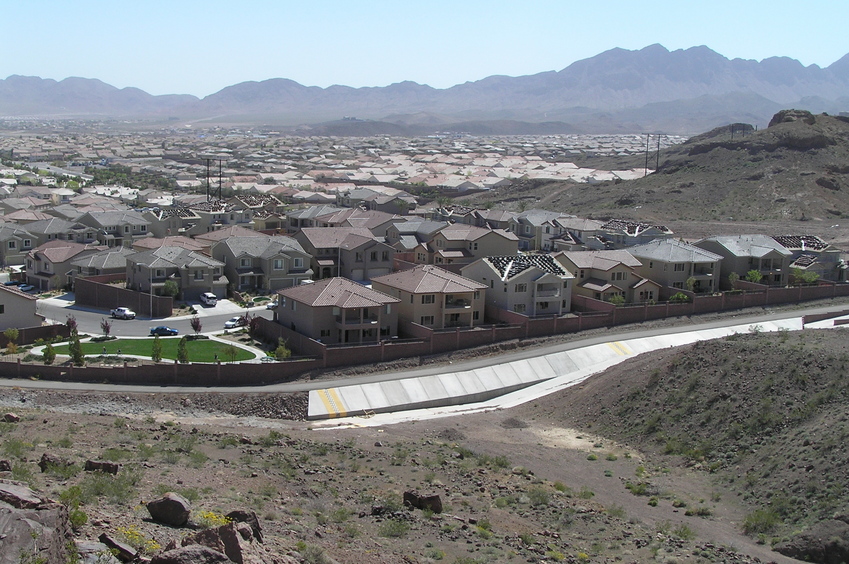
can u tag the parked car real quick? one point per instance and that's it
(234, 322)
(271, 305)
(163, 331)
(123, 313)
(13, 283)
(26, 287)
(208, 298)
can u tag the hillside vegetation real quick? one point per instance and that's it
(765, 414)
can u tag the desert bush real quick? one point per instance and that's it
(393, 528)
(761, 521)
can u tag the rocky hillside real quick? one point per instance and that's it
(764, 414)
(794, 170)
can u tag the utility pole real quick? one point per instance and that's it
(657, 164)
(646, 171)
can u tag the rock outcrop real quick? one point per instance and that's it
(171, 509)
(827, 542)
(31, 528)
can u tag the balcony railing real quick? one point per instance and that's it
(350, 321)
(457, 304)
(548, 292)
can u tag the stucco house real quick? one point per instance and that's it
(743, 253)
(672, 263)
(262, 263)
(194, 273)
(18, 309)
(49, 266)
(338, 310)
(349, 252)
(601, 275)
(533, 285)
(434, 297)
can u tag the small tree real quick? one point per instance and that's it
(196, 325)
(75, 349)
(156, 351)
(182, 351)
(732, 279)
(12, 335)
(282, 352)
(679, 298)
(71, 323)
(691, 283)
(617, 299)
(230, 351)
(754, 276)
(49, 354)
(170, 288)
(106, 326)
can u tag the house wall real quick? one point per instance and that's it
(94, 292)
(18, 311)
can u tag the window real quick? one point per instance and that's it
(473, 246)
(359, 257)
(198, 274)
(439, 242)
(428, 299)
(476, 315)
(294, 305)
(244, 262)
(420, 257)
(582, 274)
(278, 264)
(126, 229)
(543, 305)
(426, 320)
(519, 308)
(521, 288)
(678, 285)
(2, 309)
(324, 333)
(679, 267)
(27, 243)
(527, 229)
(13, 244)
(160, 273)
(373, 256)
(477, 294)
(388, 309)
(385, 256)
(298, 263)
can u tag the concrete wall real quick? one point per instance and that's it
(95, 292)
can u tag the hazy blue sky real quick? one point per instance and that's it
(199, 47)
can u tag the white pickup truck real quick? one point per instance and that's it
(123, 313)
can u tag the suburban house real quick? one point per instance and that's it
(194, 273)
(672, 263)
(459, 244)
(811, 254)
(535, 229)
(15, 243)
(744, 253)
(408, 236)
(377, 222)
(208, 240)
(217, 214)
(601, 275)
(434, 297)
(338, 310)
(262, 263)
(117, 228)
(110, 261)
(18, 309)
(533, 285)
(53, 228)
(620, 233)
(171, 221)
(306, 217)
(49, 266)
(350, 252)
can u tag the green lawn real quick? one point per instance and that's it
(202, 350)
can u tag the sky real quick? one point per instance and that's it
(200, 47)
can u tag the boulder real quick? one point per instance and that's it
(95, 552)
(826, 542)
(171, 509)
(237, 542)
(51, 460)
(419, 501)
(11, 417)
(97, 466)
(192, 554)
(248, 517)
(122, 550)
(5, 466)
(30, 525)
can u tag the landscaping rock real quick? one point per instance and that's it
(48, 460)
(193, 554)
(96, 466)
(171, 509)
(431, 502)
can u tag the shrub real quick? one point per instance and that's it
(761, 521)
(538, 496)
(393, 528)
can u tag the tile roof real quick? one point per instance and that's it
(337, 292)
(335, 237)
(749, 245)
(671, 250)
(600, 260)
(57, 251)
(428, 279)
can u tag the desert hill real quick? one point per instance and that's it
(794, 170)
(763, 415)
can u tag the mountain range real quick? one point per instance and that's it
(651, 89)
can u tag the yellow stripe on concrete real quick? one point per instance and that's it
(620, 348)
(332, 402)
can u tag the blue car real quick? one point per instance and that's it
(13, 283)
(163, 331)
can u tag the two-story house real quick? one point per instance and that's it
(349, 252)
(263, 263)
(458, 244)
(673, 263)
(531, 284)
(601, 275)
(49, 266)
(194, 273)
(15, 243)
(338, 310)
(117, 228)
(535, 229)
(622, 233)
(434, 297)
(744, 253)
(18, 309)
(811, 254)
